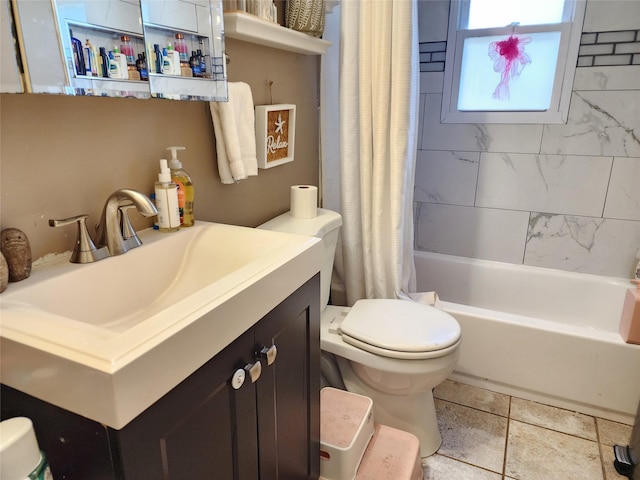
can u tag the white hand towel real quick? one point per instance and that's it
(234, 128)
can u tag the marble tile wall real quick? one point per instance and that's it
(558, 196)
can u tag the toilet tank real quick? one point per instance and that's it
(325, 225)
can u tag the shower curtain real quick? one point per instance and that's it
(377, 127)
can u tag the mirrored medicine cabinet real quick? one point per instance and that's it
(10, 78)
(170, 49)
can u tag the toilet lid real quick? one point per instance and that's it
(400, 328)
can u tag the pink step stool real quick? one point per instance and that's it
(392, 454)
(353, 448)
(346, 427)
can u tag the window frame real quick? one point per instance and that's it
(571, 33)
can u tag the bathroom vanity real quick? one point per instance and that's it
(204, 427)
(242, 340)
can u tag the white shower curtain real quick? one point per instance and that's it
(378, 108)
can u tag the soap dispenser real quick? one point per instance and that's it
(186, 190)
(167, 200)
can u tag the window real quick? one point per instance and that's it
(511, 61)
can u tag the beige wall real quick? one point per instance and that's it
(62, 156)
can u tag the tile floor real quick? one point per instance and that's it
(491, 436)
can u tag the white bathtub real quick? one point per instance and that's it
(545, 335)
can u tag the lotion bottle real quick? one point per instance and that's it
(186, 190)
(121, 59)
(167, 200)
(174, 55)
(167, 65)
(114, 66)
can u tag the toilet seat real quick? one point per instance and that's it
(400, 329)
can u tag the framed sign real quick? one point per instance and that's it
(275, 134)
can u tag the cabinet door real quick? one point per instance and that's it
(288, 390)
(203, 428)
(77, 448)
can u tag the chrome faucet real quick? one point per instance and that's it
(109, 230)
(114, 235)
(85, 251)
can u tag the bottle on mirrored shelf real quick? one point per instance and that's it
(141, 66)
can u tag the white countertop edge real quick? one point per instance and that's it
(115, 399)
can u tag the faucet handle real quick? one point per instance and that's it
(129, 235)
(85, 251)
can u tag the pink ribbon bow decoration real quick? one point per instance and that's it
(509, 59)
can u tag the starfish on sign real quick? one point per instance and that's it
(280, 124)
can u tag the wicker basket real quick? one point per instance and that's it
(306, 16)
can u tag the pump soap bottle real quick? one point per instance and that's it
(630, 318)
(186, 190)
(167, 200)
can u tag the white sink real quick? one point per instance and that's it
(108, 339)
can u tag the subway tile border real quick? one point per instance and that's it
(597, 49)
(432, 55)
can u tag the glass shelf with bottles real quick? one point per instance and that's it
(105, 62)
(179, 60)
(181, 54)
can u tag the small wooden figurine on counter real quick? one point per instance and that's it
(15, 247)
(4, 273)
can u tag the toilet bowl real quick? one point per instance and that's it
(400, 380)
(392, 351)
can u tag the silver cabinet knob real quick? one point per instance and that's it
(269, 354)
(254, 370)
(238, 378)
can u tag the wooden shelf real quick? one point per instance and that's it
(249, 28)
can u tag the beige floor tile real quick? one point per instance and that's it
(564, 421)
(535, 453)
(472, 436)
(607, 455)
(438, 467)
(474, 397)
(613, 433)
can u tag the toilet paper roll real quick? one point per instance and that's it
(304, 201)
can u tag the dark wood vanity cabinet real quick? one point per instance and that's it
(205, 428)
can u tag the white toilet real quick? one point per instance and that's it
(392, 351)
